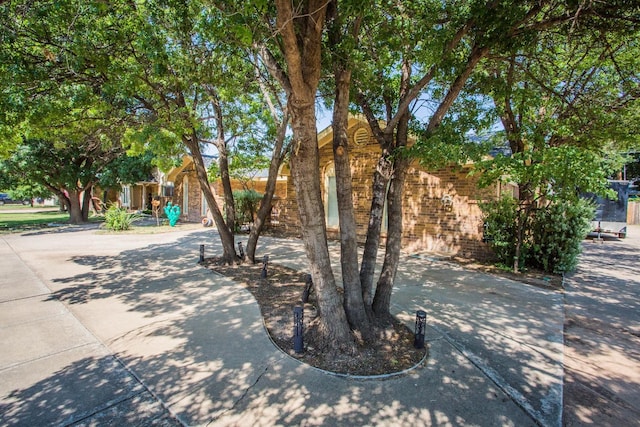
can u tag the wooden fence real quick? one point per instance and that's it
(633, 213)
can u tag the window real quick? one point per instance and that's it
(167, 190)
(185, 195)
(204, 205)
(331, 201)
(125, 196)
(331, 198)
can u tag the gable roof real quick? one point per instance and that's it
(186, 162)
(362, 134)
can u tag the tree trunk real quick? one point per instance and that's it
(192, 142)
(353, 302)
(301, 34)
(261, 217)
(376, 213)
(62, 199)
(512, 127)
(226, 234)
(86, 200)
(266, 202)
(229, 204)
(306, 179)
(75, 210)
(382, 298)
(223, 163)
(381, 178)
(526, 201)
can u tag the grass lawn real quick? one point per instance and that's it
(21, 219)
(17, 218)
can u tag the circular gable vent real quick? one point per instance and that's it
(361, 136)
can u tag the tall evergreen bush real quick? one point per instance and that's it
(552, 237)
(557, 233)
(500, 227)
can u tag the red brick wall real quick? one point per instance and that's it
(441, 213)
(429, 224)
(194, 213)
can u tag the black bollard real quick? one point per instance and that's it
(308, 284)
(421, 322)
(201, 254)
(241, 250)
(298, 330)
(265, 260)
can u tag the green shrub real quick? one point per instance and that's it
(118, 219)
(500, 230)
(552, 235)
(247, 203)
(557, 233)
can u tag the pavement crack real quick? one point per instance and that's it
(45, 357)
(33, 296)
(266, 368)
(244, 394)
(606, 394)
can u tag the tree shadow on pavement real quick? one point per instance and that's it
(197, 341)
(511, 331)
(602, 335)
(78, 392)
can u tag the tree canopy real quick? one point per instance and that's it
(560, 77)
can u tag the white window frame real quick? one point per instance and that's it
(125, 196)
(204, 206)
(331, 197)
(185, 195)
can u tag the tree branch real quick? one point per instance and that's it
(275, 69)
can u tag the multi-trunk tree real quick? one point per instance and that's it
(411, 50)
(174, 77)
(181, 71)
(299, 30)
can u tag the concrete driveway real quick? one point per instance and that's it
(602, 335)
(125, 329)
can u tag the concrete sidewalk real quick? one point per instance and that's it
(129, 330)
(53, 370)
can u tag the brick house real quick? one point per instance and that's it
(188, 194)
(440, 209)
(184, 190)
(134, 197)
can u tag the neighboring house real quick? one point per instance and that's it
(138, 196)
(440, 209)
(188, 194)
(185, 190)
